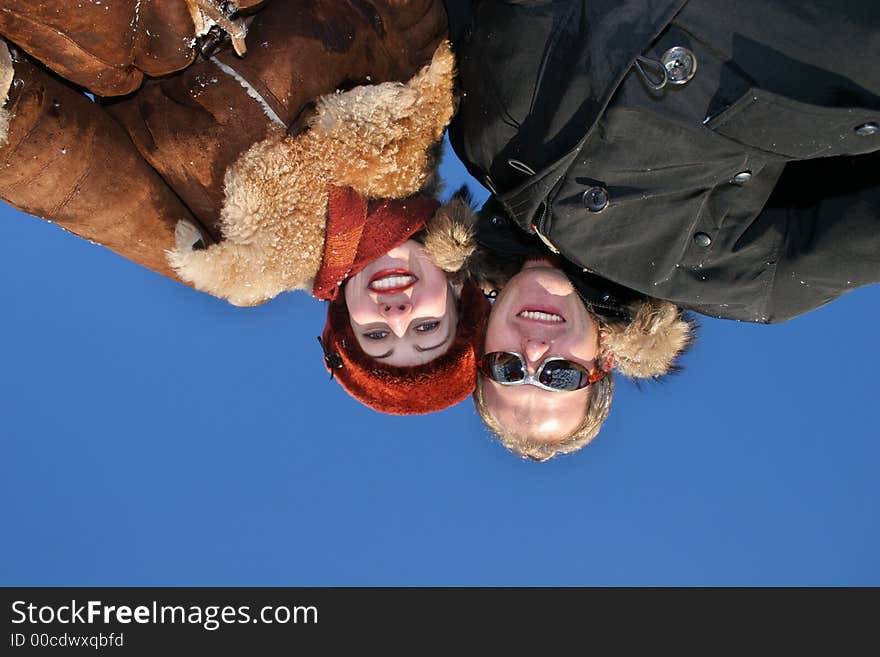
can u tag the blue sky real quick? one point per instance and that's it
(153, 435)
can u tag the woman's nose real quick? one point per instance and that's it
(397, 315)
(535, 351)
(388, 310)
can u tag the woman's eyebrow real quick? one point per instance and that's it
(385, 355)
(440, 344)
(436, 346)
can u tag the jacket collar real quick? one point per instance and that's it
(644, 21)
(496, 235)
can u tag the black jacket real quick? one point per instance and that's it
(750, 192)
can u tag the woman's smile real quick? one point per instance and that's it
(392, 281)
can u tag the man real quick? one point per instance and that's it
(541, 366)
(546, 383)
(720, 156)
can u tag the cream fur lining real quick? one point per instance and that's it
(4, 126)
(7, 73)
(376, 139)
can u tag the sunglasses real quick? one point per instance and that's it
(556, 374)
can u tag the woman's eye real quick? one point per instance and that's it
(376, 335)
(427, 327)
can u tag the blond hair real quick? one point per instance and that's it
(598, 407)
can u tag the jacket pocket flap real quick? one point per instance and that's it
(775, 124)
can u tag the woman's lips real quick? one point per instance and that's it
(542, 315)
(392, 281)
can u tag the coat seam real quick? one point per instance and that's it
(78, 47)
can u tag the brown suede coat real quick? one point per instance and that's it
(123, 170)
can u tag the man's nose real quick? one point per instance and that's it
(535, 351)
(397, 315)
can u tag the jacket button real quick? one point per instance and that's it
(702, 239)
(742, 177)
(497, 221)
(596, 199)
(867, 129)
(680, 64)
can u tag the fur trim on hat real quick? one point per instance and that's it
(376, 139)
(450, 238)
(648, 345)
(6, 75)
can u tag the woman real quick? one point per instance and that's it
(228, 164)
(403, 329)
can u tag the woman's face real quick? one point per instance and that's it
(402, 308)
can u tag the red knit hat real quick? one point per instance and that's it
(446, 380)
(358, 232)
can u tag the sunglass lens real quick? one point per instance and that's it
(505, 367)
(564, 375)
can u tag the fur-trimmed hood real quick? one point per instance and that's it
(123, 174)
(376, 139)
(648, 345)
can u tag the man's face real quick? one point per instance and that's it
(539, 314)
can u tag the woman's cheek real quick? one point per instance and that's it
(432, 301)
(360, 307)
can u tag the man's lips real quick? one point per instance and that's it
(541, 315)
(392, 281)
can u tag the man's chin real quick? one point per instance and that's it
(538, 415)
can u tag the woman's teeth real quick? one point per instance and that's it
(540, 316)
(392, 282)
